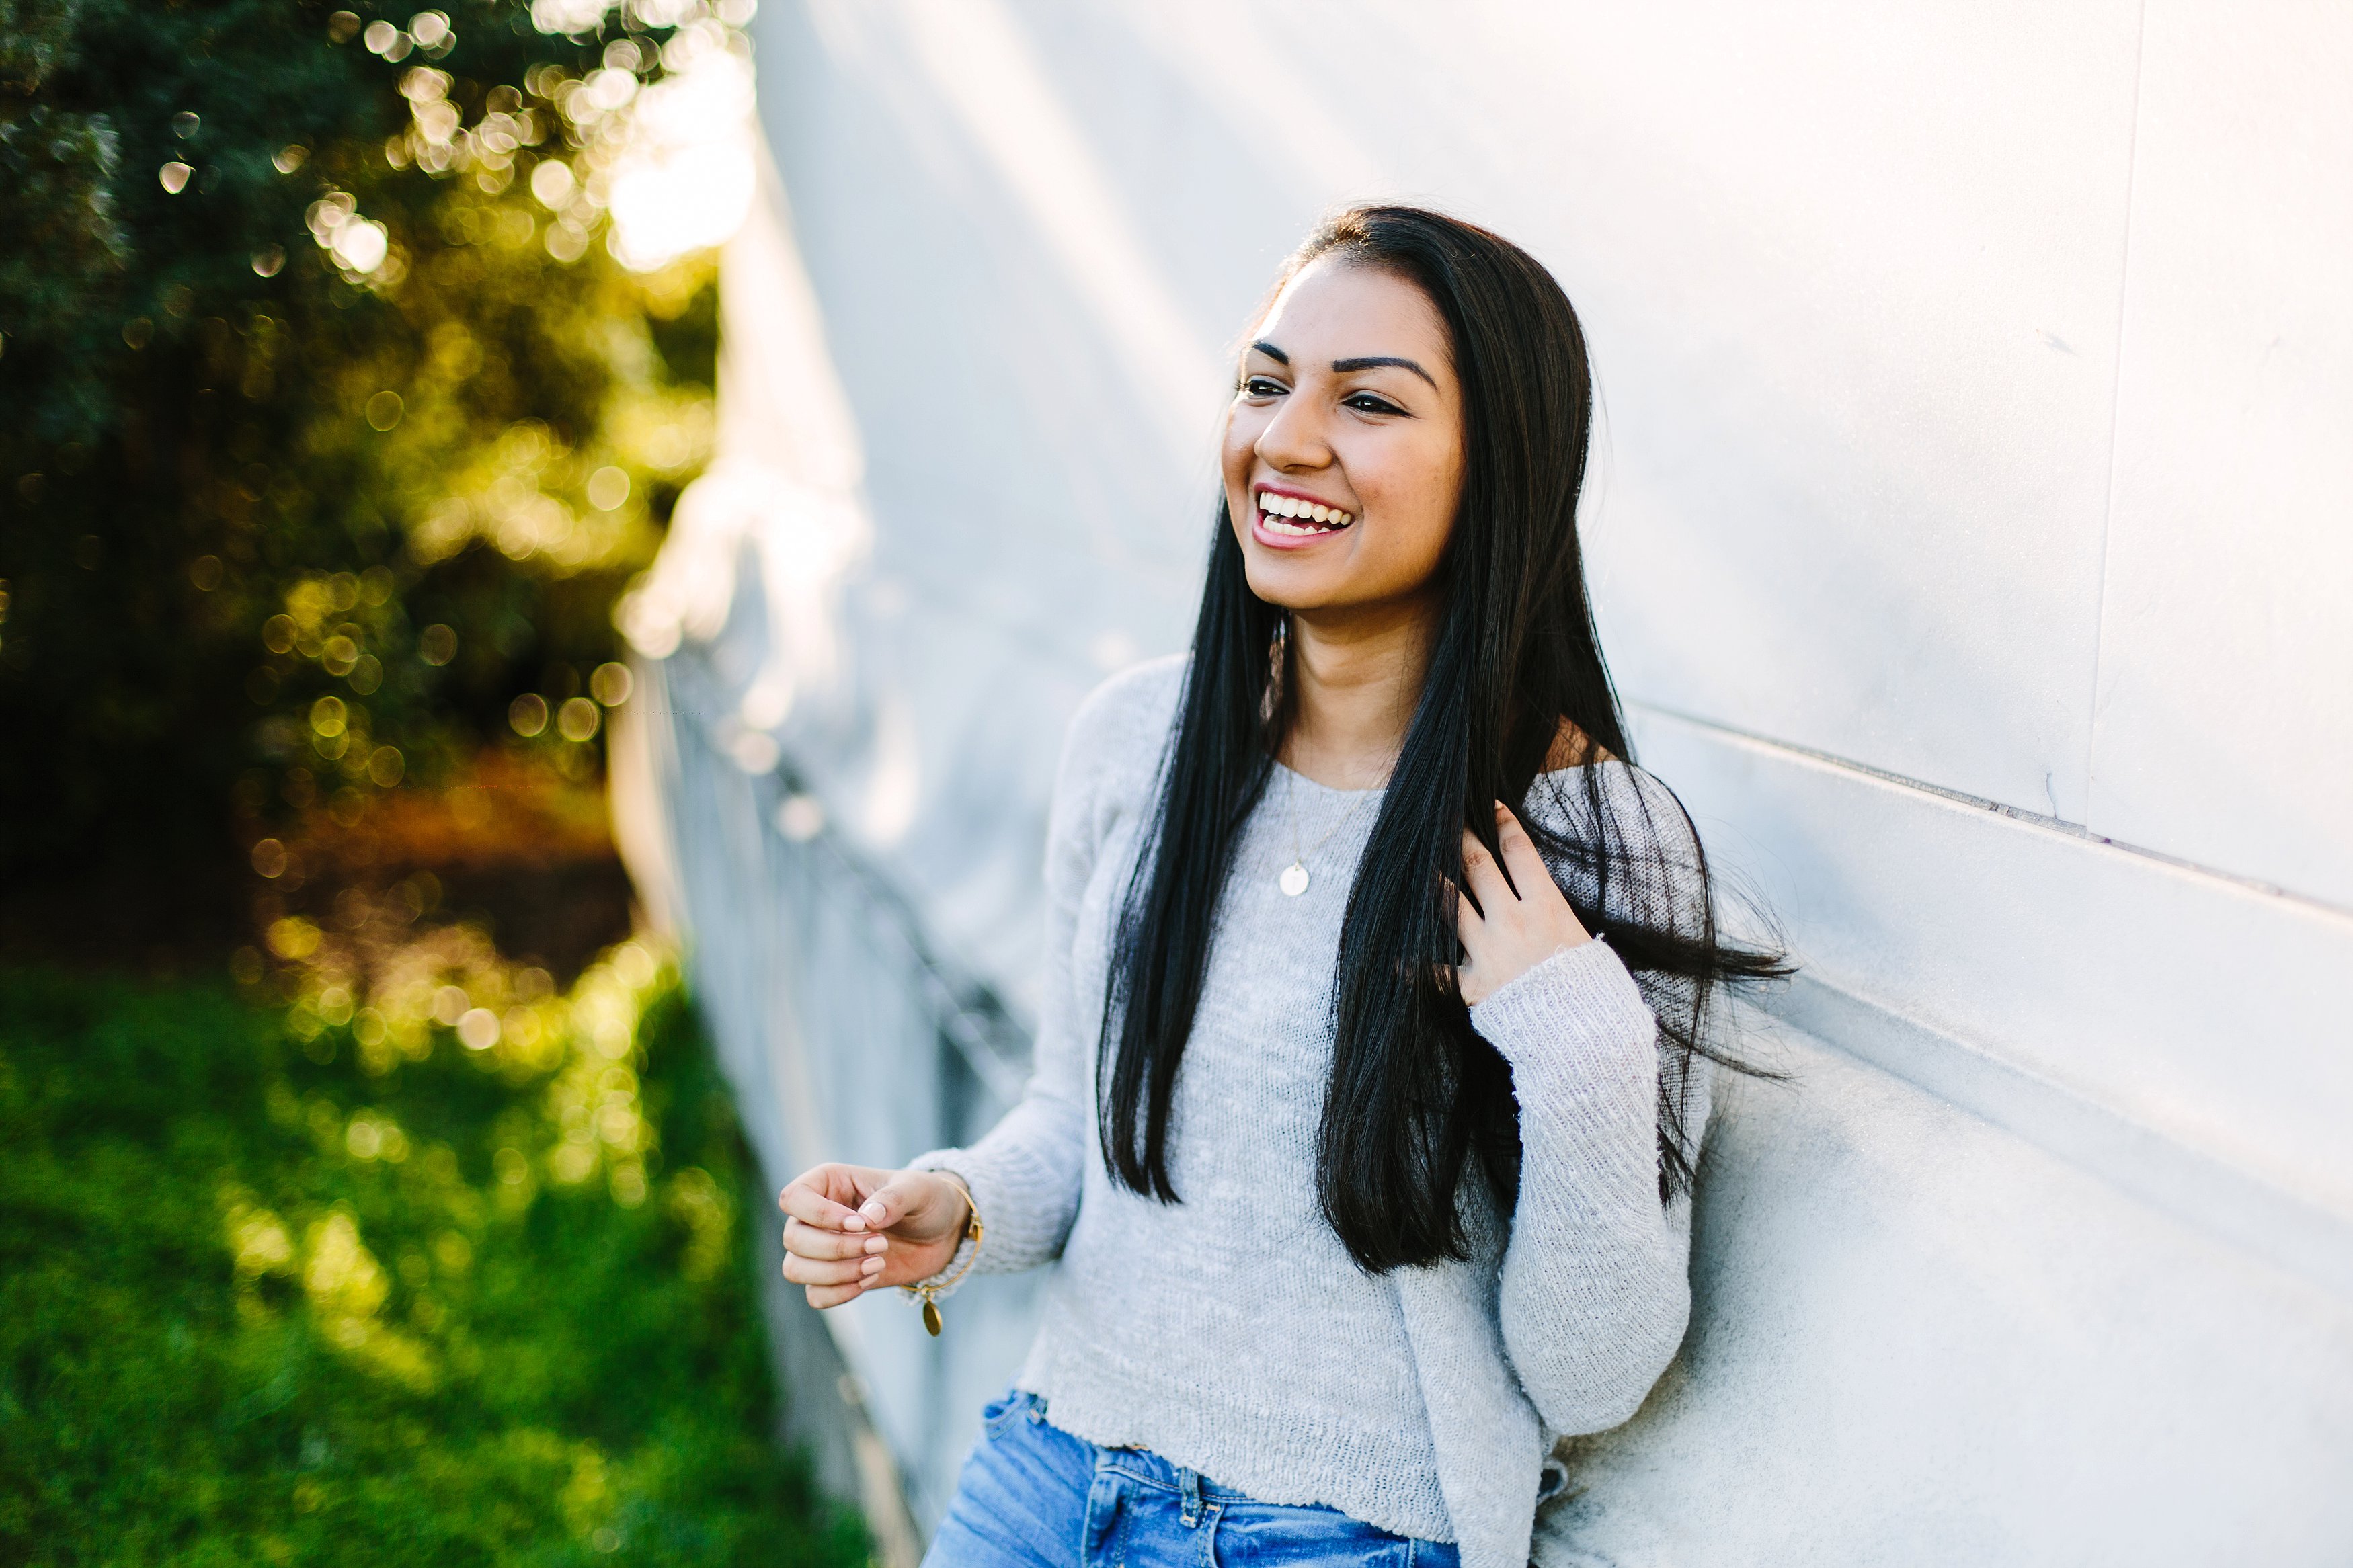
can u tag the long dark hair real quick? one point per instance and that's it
(1416, 1095)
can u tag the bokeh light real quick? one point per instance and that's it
(800, 817)
(577, 720)
(611, 684)
(608, 486)
(683, 179)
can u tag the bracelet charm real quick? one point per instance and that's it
(930, 1292)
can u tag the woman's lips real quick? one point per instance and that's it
(1284, 520)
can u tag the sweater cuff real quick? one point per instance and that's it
(959, 1164)
(1580, 1002)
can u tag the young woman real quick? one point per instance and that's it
(1362, 1162)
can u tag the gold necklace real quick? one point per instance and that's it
(1294, 878)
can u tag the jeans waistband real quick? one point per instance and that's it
(1148, 1468)
(1139, 1464)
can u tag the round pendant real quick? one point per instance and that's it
(932, 1317)
(1293, 880)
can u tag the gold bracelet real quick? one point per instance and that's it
(972, 1231)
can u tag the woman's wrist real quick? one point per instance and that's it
(963, 1226)
(1576, 1002)
(963, 1246)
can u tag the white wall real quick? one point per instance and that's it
(1976, 383)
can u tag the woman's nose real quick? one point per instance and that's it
(1294, 438)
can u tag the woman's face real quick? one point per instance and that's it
(1347, 402)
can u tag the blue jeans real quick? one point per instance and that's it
(1032, 1496)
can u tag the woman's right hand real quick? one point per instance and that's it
(850, 1228)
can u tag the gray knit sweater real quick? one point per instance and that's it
(1232, 1332)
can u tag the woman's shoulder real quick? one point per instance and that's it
(1613, 814)
(1575, 757)
(1110, 755)
(1645, 816)
(1120, 728)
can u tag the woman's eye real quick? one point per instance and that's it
(1369, 403)
(1262, 386)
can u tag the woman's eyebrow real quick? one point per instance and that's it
(1374, 361)
(1270, 351)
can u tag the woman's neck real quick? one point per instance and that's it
(1356, 681)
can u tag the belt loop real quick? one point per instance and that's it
(1096, 1541)
(1188, 1485)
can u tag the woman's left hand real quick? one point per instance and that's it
(1518, 923)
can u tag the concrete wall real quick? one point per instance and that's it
(1969, 539)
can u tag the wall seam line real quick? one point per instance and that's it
(2058, 825)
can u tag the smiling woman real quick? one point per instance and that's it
(1362, 1169)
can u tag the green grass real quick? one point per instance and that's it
(269, 1299)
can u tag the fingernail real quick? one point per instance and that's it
(877, 1244)
(873, 1210)
(871, 1266)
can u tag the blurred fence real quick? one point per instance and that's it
(847, 1038)
(864, 972)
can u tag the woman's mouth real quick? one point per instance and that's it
(1288, 516)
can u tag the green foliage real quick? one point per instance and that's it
(295, 367)
(268, 1299)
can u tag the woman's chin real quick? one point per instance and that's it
(1289, 583)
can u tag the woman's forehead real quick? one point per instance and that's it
(1334, 308)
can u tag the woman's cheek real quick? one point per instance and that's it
(1240, 436)
(1415, 540)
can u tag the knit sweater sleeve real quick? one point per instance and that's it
(1025, 1173)
(1595, 1289)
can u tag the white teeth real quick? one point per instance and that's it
(1271, 506)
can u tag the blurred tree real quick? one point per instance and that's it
(329, 427)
